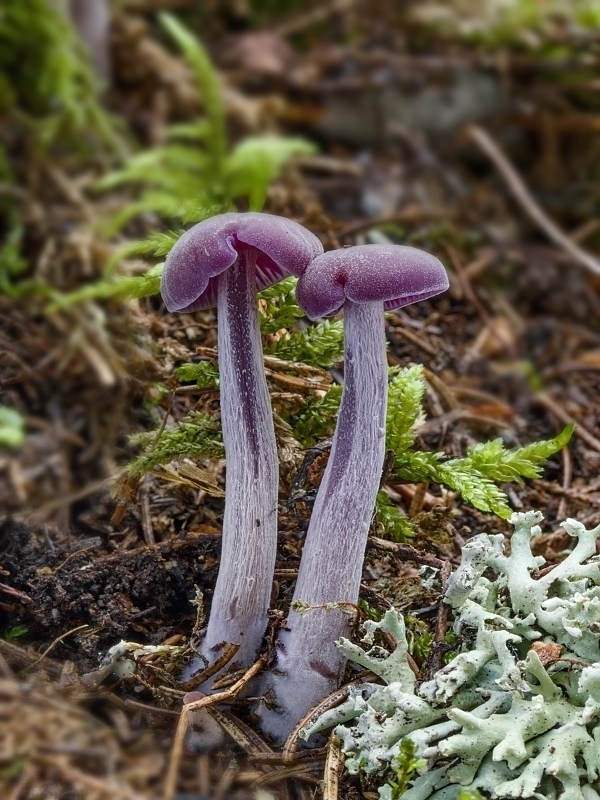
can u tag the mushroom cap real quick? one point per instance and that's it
(189, 278)
(395, 275)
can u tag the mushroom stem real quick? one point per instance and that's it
(249, 540)
(309, 666)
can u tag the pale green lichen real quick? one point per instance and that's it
(494, 720)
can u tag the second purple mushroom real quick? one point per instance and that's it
(364, 281)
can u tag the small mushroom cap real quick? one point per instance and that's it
(189, 278)
(393, 274)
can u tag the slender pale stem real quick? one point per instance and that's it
(243, 589)
(309, 666)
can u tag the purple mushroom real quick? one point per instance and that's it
(364, 281)
(224, 261)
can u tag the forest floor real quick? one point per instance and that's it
(512, 350)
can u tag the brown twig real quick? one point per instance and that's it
(203, 774)
(521, 193)
(333, 767)
(147, 527)
(446, 394)
(556, 410)
(416, 504)
(274, 369)
(566, 481)
(66, 500)
(406, 552)
(22, 658)
(58, 639)
(413, 338)
(480, 263)
(409, 214)
(458, 414)
(298, 383)
(228, 653)
(296, 771)
(5, 670)
(226, 781)
(170, 787)
(135, 705)
(406, 491)
(243, 735)
(313, 16)
(465, 283)
(24, 598)
(211, 354)
(277, 758)
(288, 754)
(572, 494)
(441, 625)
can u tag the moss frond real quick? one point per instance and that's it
(494, 461)
(278, 306)
(317, 417)
(204, 373)
(319, 345)
(196, 436)
(390, 521)
(475, 476)
(405, 407)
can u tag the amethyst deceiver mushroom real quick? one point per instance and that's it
(225, 261)
(365, 281)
